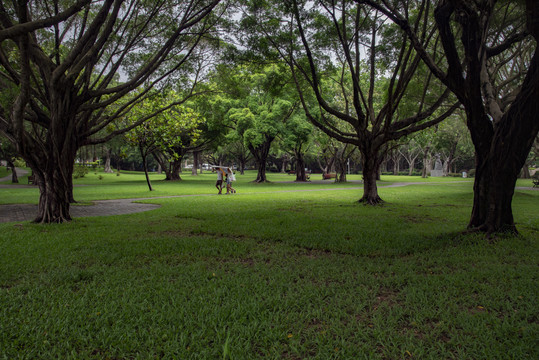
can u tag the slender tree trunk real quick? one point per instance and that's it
(14, 177)
(145, 166)
(525, 172)
(340, 165)
(196, 155)
(163, 166)
(427, 163)
(411, 164)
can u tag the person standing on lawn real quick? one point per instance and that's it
(229, 178)
(219, 183)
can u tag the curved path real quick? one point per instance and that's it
(27, 212)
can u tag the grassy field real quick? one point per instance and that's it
(270, 272)
(3, 172)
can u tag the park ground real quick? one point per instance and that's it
(279, 271)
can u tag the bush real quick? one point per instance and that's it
(471, 173)
(20, 163)
(79, 171)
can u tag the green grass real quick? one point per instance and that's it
(271, 273)
(3, 172)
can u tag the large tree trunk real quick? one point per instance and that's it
(510, 145)
(261, 174)
(371, 165)
(260, 153)
(176, 167)
(54, 176)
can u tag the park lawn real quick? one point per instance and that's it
(273, 274)
(98, 185)
(3, 172)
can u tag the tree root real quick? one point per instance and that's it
(371, 201)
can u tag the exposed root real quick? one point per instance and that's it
(371, 201)
(492, 233)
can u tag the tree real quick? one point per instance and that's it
(174, 133)
(295, 139)
(493, 70)
(349, 50)
(63, 78)
(452, 141)
(260, 103)
(410, 151)
(8, 153)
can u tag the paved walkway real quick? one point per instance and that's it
(27, 212)
(20, 173)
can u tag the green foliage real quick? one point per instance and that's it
(19, 163)
(79, 171)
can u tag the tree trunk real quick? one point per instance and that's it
(145, 166)
(427, 163)
(14, 177)
(371, 166)
(300, 167)
(340, 165)
(500, 156)
(261, 174)
(196, 155)
(260, 153)
(163, 166)
(108, 169)
(525, 172)
(54, 179)
(176, 167)
(411, 164)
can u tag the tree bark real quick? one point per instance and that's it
(145, 166)
(510, 146)
(163, 165)
(107, 168)
(196, 155)
(300, 167)
(371, 165)
(54, 178)
(176, 167)
(14, 177)
(260, 153)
